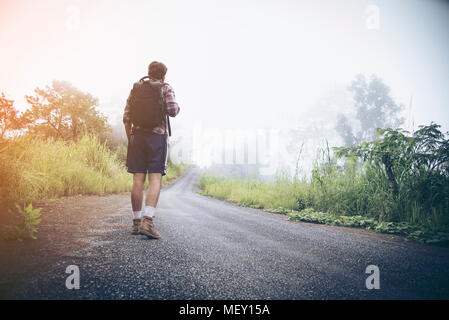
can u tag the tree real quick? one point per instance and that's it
(374, 107)
(62, 111)
(344, 128)
(9, 118)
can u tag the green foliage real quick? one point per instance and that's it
(24, 223)
(412, 232)
(411, 172)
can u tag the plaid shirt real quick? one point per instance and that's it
(172, 109)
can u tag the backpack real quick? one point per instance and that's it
(147, 105)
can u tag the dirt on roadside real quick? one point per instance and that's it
(65, 229)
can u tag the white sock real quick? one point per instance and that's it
(149, 211)
(137, 214)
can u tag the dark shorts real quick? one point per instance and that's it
(147, 153)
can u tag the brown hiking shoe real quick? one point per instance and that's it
(136, 225)
(147, 228)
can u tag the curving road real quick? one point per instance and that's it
(211, 249)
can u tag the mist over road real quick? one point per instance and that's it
(211, 249)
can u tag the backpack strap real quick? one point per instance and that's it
(169, 127)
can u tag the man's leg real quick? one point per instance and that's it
(154, 189)
(136, 200)
(137, 191)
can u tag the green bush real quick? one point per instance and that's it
(410, 231)
(407, 175)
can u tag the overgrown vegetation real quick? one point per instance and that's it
(411, 171)
(410, 231)
(34, 169)
(397, 178)
(174, 170)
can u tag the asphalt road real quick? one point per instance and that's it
(211, 249)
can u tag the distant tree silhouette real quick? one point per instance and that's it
(374, 107)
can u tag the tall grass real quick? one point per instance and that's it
(254, 193)
(352, 189)
(174, 170)
(33, 169)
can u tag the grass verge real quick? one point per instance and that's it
(294, 199)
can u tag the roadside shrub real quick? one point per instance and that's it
(408, 174)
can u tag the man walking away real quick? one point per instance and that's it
(147, 124)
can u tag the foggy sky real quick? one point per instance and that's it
(231, 63)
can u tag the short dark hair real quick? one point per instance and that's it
(157, 70)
